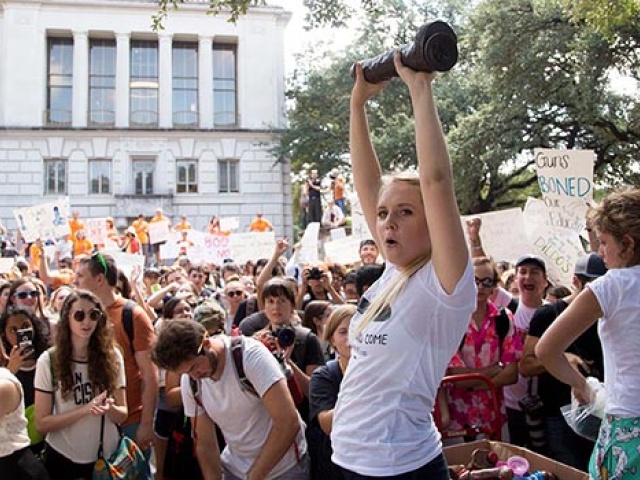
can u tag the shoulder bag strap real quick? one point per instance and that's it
(100, 445)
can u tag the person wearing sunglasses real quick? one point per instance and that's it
(99, 274)
(234, 294)
(488, 348)
(29, 293)
(79, 381)
(264, 433)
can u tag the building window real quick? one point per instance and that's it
(224, 85)
(144, 83)
(143, 176)
(228, 176)
(99, 177)
(187, 176)
(55, 177)
(185, 84)
(102, 82)
(59, 82)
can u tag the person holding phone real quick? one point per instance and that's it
(78, 382)
(24, 341)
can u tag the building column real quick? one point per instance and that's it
(205, 81)
(80, 105)
(123, 56)
(165, 79)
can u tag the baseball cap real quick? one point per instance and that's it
(590, 266)
(210, 316)
(532, 259)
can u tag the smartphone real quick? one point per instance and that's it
(25, 339)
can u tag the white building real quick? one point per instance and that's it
(123, 120)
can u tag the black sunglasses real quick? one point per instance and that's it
(235, 293)
(27, 294)
(486, 282)
(94, 315)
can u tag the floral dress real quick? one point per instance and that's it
(479, 349)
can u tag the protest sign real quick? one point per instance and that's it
(169, 250)
(126, 261)
(6, 264)
(45, 220)
(359, 227)
(228, 224)
(343, 250)
(569, 214)
(252, 246)
(502, 234)
(308, 250)
(159, 232)
(96, 230)
(560, 248)
(338, 233)
(216, 248)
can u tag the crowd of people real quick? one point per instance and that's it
(268, 370)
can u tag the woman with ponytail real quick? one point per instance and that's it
(410, 322)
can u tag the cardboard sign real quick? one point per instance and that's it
(252, 246)
(343, 250)
(359, 227)
(96, 230)
(229, 224)
(127, 261)
(45, 220)
(502, 234)
(560, 249)
(338, 233)
(568, 214)
(564, 174)
(159, 232)
(308, 251)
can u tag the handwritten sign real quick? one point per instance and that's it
(127, 261)
(229, 224)
(252, 245)
(560, 249)
(343, 250)
(502, 234)
(308, 251)
(568, 214)
(96, 230)
(45, 220)
(359, 227)
(159, 232)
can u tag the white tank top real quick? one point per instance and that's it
(13, 426)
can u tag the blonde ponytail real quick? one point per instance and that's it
(387, 296)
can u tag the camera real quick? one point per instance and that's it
(315, 274)
(285, 334)
(25, 339)
(532, 407)
(435, 49)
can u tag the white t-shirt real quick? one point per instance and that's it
(242, 417)
(513, 393)
(79, 441)
(619, 328)
(13, 426)
(382, 421)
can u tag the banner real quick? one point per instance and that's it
(159, 232)
(502, 234)
(45, 220)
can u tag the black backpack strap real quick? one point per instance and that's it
(513, 305)
(127, 322)
(237, 353)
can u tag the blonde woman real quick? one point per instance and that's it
(410, 322)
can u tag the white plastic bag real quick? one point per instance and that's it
(585, 420)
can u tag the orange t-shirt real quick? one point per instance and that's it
(75, 225)
(142, 228)
(82, 247)
(143, 339)
(260, 225)
(338, 189)
(159, 219)
(63, 277)
(34, 257)
(183, 226)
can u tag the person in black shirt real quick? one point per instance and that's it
(315, 197)
(585, 354)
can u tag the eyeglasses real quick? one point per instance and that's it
(101, 261)
(486, 282)
(27, 294)
(235, 293)
(94, 315)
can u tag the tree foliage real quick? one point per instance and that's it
(530, 75)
